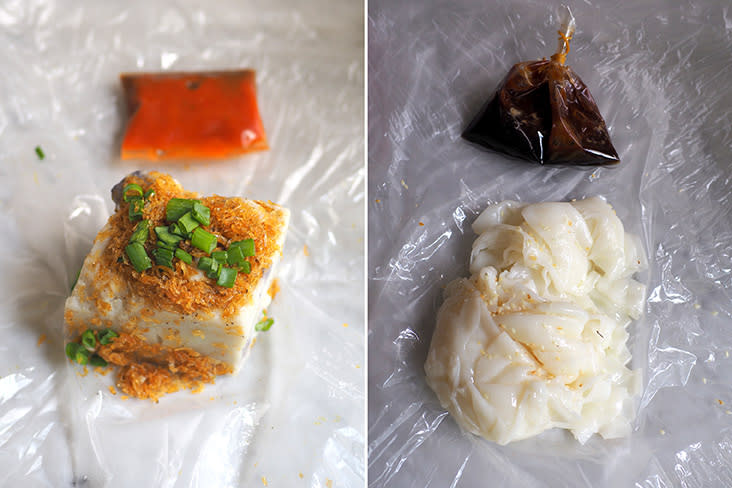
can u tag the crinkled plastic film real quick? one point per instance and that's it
(659, 72)
(294, 415)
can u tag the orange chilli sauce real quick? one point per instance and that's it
(194, 115)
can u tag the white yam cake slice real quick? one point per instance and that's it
(177, 326)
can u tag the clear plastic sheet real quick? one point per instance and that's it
(294, 415)
(659, 71)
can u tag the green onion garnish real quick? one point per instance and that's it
(210, 266)
(88, 340)
(132, 187)
(164, 235)
(71, 349)
(73, 285)
(235, 255)
(149, 194)
(141, 232)
(82, 356)
(201, 213)
(97, 360)
(39, 153)
(177, 207)
(245, 267)
(264, 325)
(165, 245)
(203, 240)
(187, 223)
(135, 211)
(106, 336)
(247, 246)
(183, 256)
(138, 257)
(207, 264)
(220, 256)
(227, 277)
(163, 257)
(175, 229)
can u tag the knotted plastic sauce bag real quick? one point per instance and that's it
(543, 112)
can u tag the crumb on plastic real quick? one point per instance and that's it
(112, 390)
(345, 324)
(274, 288)
(406, 187)
(301, 475)
(103, 371)
(41, 339)
(305, 250)
(264, 481)
(421, 224)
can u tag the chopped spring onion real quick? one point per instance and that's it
(132, 187)
(88, 340)
(73, 285)
(203, 240)
(106, 336)
(163, 257)
(138, 257)
(165, 245)
(220, 256)
(82, 356)
(141, 232)
(187, 223)
(201, 213)
(71, 349)
(245, 267)
(149, 194)
(235, 256)
(210, 266)
(177, 207)
(135, 211)
(98, 361)
(183, 256)
(39, 153)
(247, 246)
(214, 275)
(207, 264)
(227, 277)
(264, 325)
(175, 229)
(164, 235)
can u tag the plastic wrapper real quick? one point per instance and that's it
(294, 414)
(656, 70)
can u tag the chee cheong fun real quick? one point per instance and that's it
(535, 338)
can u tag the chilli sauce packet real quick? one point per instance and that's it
(191, 115)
